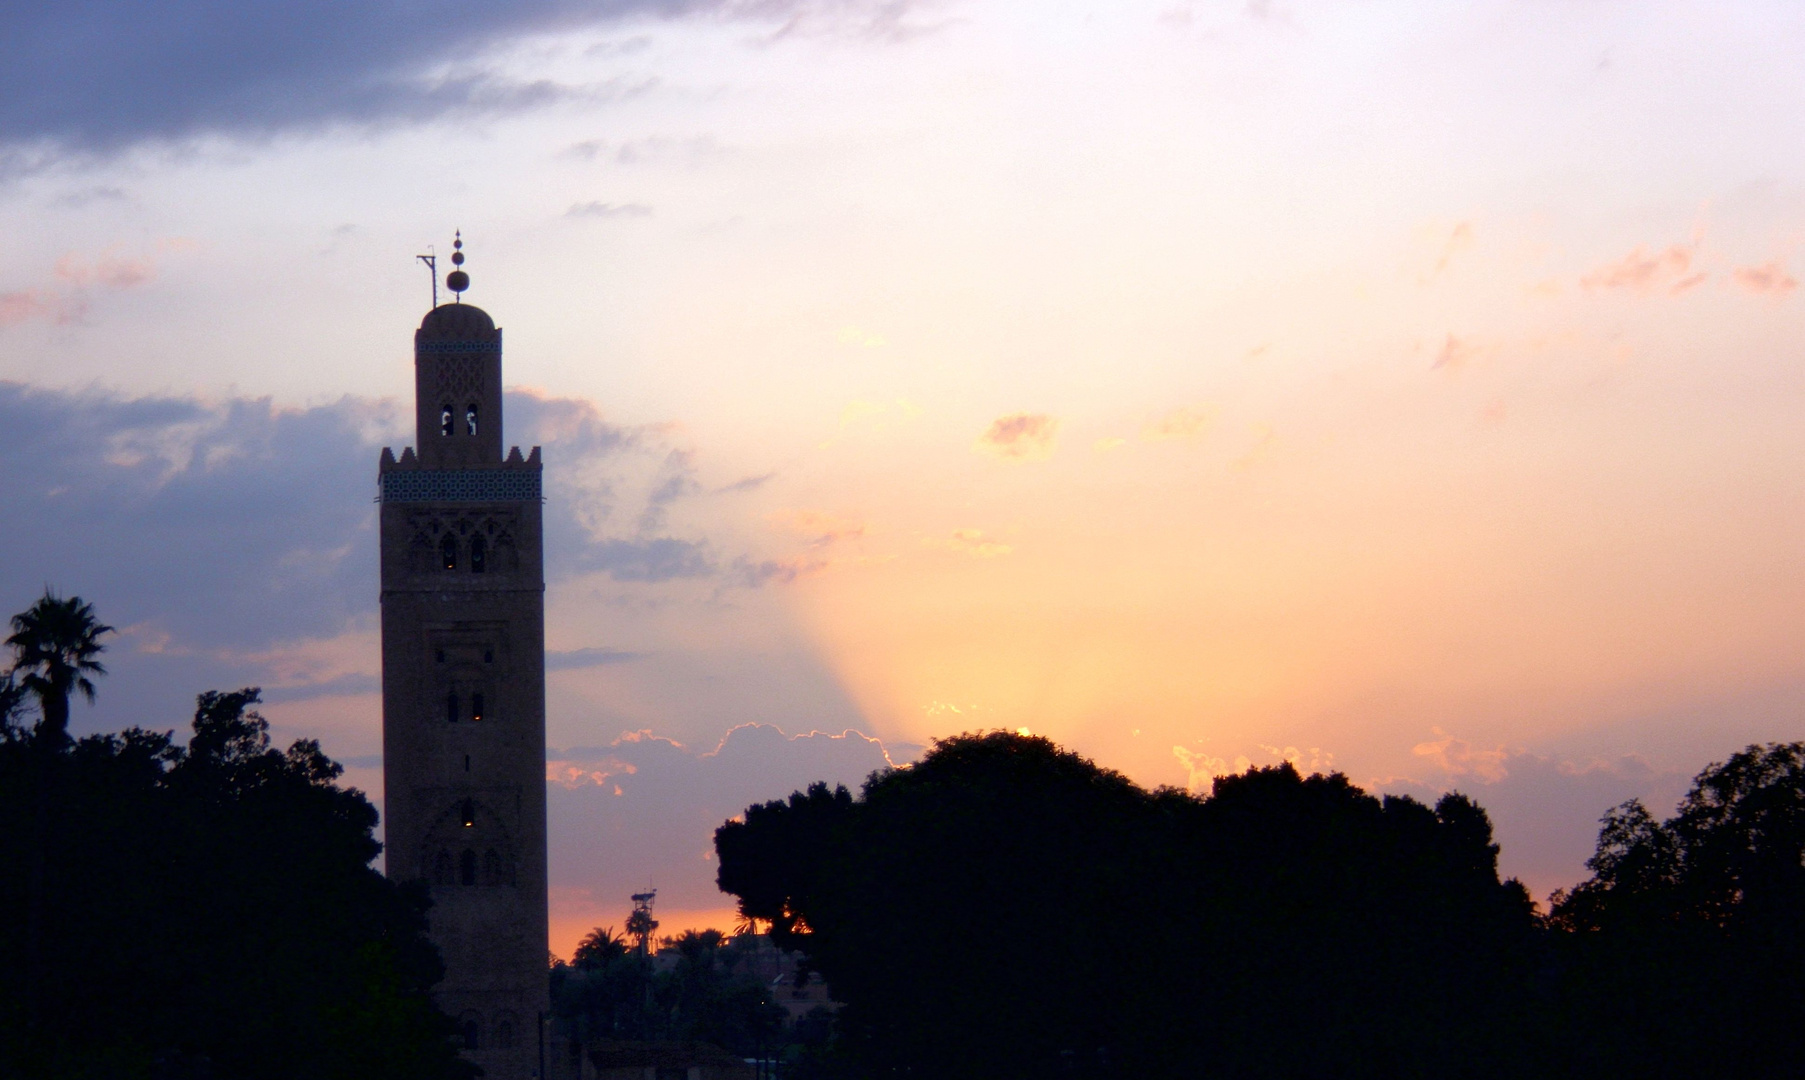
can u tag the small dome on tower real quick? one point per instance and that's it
(457, 321)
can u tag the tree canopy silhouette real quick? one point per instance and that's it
(611, 991)
(1686, 947)
(1006, 908)
(206, 910)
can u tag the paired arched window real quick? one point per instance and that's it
(470, 419)
(479, 554)
(445, 420)
(448, 552)
(467, 868)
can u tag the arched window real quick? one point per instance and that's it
(471, 1027)
(448, 552)
(445, 417)
(441, 868)
(468, 814)
(451, 707)
(504, 1035)
(476, 705)
(470, 418)
(479, 554)
(492, 867)
(467, 867)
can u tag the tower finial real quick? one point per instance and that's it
(457, 281)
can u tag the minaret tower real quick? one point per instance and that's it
(463, 686)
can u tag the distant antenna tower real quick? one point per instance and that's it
(640, 924)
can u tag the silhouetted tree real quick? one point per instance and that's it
(211, 910)
(698, 989)
(1006, 908)
(55, 643)
(1686, 947)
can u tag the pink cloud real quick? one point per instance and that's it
(1457, 757)
(28, 304)
(1021, 436)
(1460, 239)
(1770, 279)
(1645, 271)
(67, 303)
(110, 270)
(1454, 353)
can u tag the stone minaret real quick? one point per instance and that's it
(463, 688)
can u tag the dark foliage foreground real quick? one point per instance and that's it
(207, 911)
(611, 992)
(1006, 909)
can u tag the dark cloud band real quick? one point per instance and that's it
(98, 76)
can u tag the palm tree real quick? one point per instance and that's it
(55, 642)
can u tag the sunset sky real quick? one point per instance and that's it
(1410, 389)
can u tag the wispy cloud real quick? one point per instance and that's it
(608, 210)
(1187, 422)
(1454, 353)
(817, 528)
(746, 483)
(74, 278)
(1669, 269)
(1457, 757)
(1021, 436)
(972, 542)
(1768, 279)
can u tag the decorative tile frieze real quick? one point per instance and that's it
(458, 346)
(460, 485)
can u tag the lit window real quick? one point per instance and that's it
(448, 552)
(469, 817)
(470, 418)
(476, 706)
(445, 420)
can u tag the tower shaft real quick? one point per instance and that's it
(463, 689)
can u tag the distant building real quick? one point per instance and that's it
(463, 688)
(777, 970)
